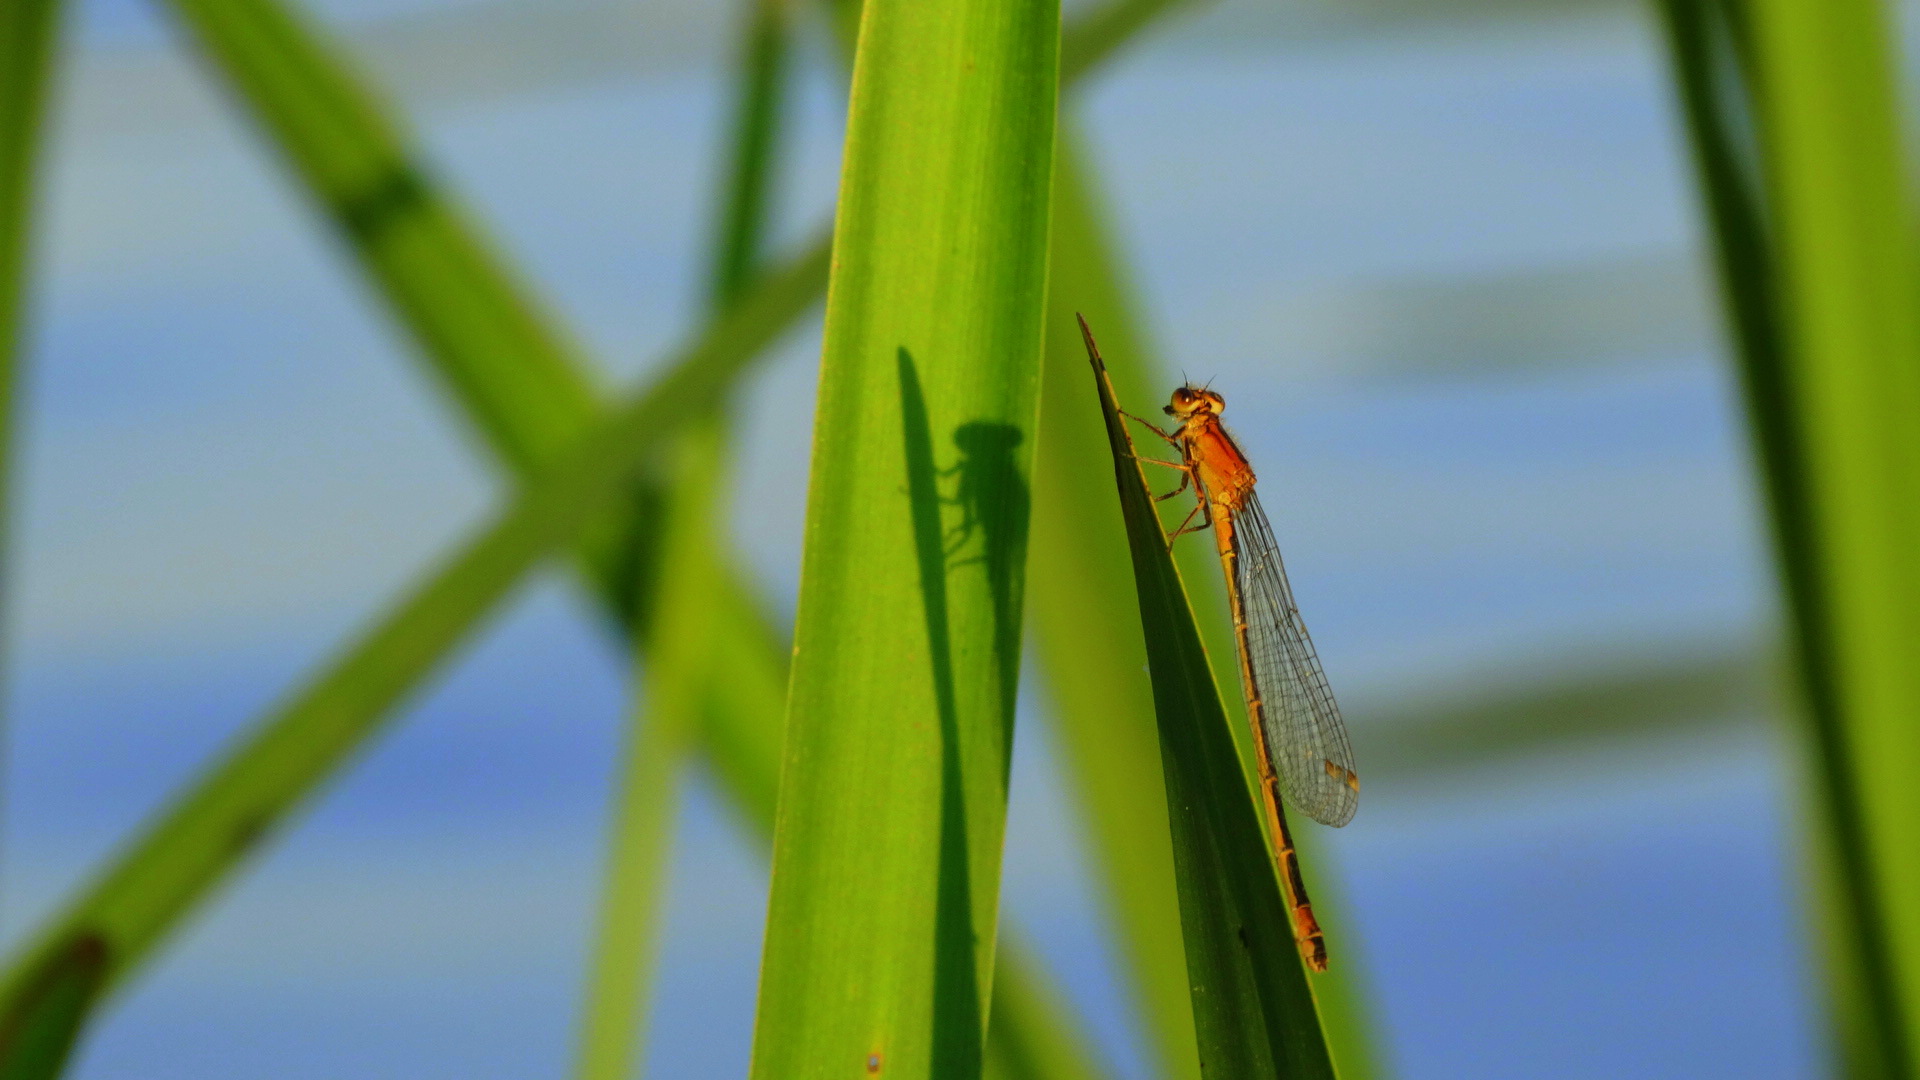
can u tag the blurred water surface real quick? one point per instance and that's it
(1445, 269)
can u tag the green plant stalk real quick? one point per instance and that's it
(449, 286)
(1714, 72)
(666, 719)
(1017, 1045)
(27, 30)
(882, 918)
(1836, 170)
(1253, 1011)
(1115, 761)
(146, 890)
(742, 223)
(688, 574)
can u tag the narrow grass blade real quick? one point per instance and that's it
(1107, 732)
(666, 718)
(118, 920)
(1818, 277)
(1714, 72)
(886, 861)
(687, 574)
(1839, 183)
(431, 261)
(740, 232)
(1253, 1012)
(26, 47)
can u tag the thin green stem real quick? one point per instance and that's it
(688, 572)
(526, 383)
(740, 233)
(1714, 72)
(1819, 274)
(665, 721)
(27, 30)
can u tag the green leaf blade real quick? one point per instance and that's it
(881, 928)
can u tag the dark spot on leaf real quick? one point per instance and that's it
(248, 831)
(40, 1024)
(394, 194)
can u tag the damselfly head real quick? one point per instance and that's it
(1191, 399)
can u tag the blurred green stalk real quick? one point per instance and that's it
(689, 569)
(27, 30)
(26, 45)
(664, 721)
(1814, 239)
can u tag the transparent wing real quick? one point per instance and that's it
(1304, 731)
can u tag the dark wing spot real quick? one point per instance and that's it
(1345, 776)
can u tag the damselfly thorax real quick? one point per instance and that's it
(1219, 467)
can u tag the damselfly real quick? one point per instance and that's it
(1299, 739)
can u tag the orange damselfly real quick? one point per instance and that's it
(1300, 741)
